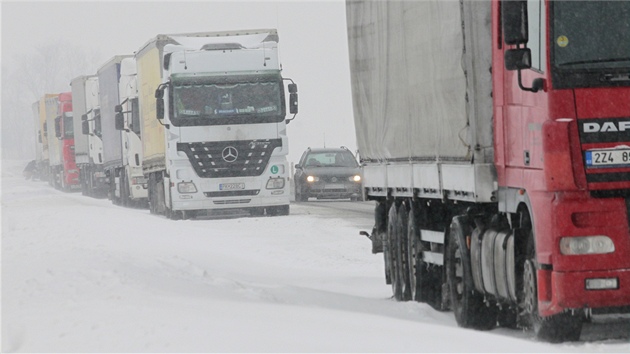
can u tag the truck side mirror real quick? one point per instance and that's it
(85, 127)
(119, 121)
(518, 59)
(514, 19)
(45, 126)
(118, 108)
(293, 103)
(58, 127)
(293, 98)
(39, 136)
(159, 108)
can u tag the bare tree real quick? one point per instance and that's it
(49, 69)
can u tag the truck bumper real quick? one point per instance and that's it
(568, 290)
(588, 280)
(232, 203)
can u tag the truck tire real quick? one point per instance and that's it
(556, 328)
(391, 255)
(173, 214)
(64, 186)
(124, 189)
(152, 200)
(299, 196)
(468, 305)
(112, 188)
(417, 267)
(281, 210)
(403, 252)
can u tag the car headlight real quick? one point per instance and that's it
(186, 187)
(275, 183)
(586, 245)
(312, 179)
(355, 178)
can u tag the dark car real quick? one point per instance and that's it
(327, 173)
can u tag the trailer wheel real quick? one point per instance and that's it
(153, 198)
(403, 253)
(391, 254)
(417, 268)
(468, 305)
(554, 329)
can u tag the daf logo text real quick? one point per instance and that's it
(593, 127)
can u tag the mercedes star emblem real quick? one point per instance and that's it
(229, 154)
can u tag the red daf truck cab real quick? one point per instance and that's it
(561, 92)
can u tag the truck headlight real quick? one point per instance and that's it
(186, 187)
(355, 178)
(586, 245)
(275, 183)
(312, 179)
(602, 283)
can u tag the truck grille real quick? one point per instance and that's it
(229, 158)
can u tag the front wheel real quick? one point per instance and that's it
(554, 329)
(281, 210)
(299, 196)
(468, 305)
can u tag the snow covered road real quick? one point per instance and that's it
(82, 275)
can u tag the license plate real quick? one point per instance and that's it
(231, 186)
(334, 186)
(608, 158)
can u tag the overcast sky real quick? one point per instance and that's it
(313, 46)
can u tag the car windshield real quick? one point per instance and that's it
(331, 159)
(222, 100)
(591, 34)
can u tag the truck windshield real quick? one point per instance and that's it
(214, 100)
(68, 128)
(591, 34)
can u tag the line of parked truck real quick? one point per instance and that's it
(493, 138)
(189, 125)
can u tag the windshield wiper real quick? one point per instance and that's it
(595, 61)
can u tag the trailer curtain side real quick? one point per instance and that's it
(421, 88)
